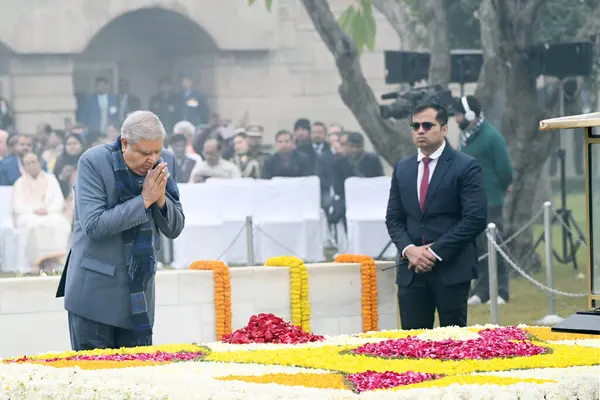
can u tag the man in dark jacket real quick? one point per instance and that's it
(481, 139)
(287, 162)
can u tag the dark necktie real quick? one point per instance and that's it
(424, 181)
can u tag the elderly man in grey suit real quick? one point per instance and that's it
(125, 196)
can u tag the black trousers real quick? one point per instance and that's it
(482, 285)
(89, 335)
(426, 293)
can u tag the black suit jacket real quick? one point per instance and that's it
(184, 169)
(368, 165)
(299, 166)
(454, 214)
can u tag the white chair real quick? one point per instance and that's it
(308, 190)
(12, 247)
(277, 219)
(235, 202)
(202, 237)
(366, 204)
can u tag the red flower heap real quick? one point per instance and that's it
(491, 343)
(371, 380)
(267, 328)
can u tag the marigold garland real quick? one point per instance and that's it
(222, 279)
(370, 305)
(298, 288)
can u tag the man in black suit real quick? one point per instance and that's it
(128, 102)
(436, 209)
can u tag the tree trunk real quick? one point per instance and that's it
(491, 88)
(391, 141)
(439, 44)
(505, 41)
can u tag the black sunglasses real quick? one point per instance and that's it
(426, 126)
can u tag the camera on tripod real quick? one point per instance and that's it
(408, 100)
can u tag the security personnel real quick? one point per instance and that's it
(166, 104)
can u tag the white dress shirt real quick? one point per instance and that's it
(432, 164)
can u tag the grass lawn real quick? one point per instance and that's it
(527, 302)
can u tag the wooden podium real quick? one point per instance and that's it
(588, 321)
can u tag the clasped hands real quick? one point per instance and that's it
(155, 185)
(420, 259)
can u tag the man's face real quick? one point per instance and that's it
(317, 134)
(211, 154)
(24, 146)
(334, 129)
(427, 132)
(142, 156)
(302, 134)
(31, 165)
(284, 143)
(179, 148)
(240, 145)
(101, 87)
(334, 143)
(461, 121)
(187, 83)
(353, 149)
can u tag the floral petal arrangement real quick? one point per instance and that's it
(274, 359)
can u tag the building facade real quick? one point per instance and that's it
(270, 66)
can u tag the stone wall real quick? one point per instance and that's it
(34, 321)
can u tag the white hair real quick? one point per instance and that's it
(184, 127)
(142, 125)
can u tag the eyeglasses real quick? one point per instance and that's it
(426, 126)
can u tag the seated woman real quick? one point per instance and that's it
(37, 207)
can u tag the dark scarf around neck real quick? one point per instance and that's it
(138, 241)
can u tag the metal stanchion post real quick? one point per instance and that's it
(250, 241)
(493, 273)
(551, 318)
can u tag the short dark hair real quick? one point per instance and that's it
(474, 105)
(241, 134)
(283, 132)
(441, 115)
(355, 138)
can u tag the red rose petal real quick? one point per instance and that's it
(492, 343)
(267, 328)
(371, 380)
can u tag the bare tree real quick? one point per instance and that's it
(506, 35)
(439, 43)
(398, 16)
(388, 139)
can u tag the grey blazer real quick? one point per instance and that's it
(94, 282)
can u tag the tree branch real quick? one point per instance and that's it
(398, 16)
(529, 12)
(354, 89)
(439, 43)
